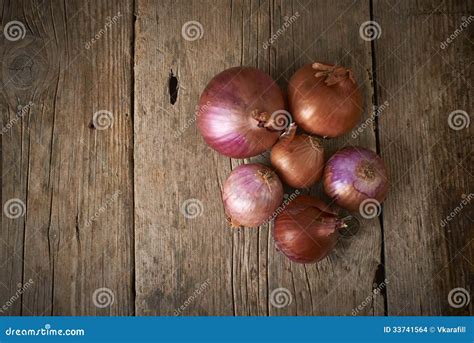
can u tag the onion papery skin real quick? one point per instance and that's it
(306, 230)
(298, 160)
(329, 104)
(227, 110)
(353, 175)
(251, 194)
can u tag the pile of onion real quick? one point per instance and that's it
(298, 159)
(235, 112)
(251, 194)
(242, 114)
(325, 99)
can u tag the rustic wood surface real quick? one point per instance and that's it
(431, 164)
(119, 198)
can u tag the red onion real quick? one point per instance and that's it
(251, 194)
(298, 159)
(243, 112)
(306, 230)
(355, 176)
(325, 99)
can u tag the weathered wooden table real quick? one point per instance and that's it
(98, 160)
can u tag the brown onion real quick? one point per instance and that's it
(325, 99)
(306, 230)
(251, 194)
(298, 159)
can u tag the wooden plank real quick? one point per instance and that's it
(251, 19)
(174, 254)
(258, 269)
(431, 164)
(75, 180)
(179, 257)
(328, 31)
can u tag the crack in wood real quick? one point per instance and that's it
(173, 86)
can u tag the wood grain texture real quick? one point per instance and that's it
(177, 255)
(242, 265)
(134, 210)
(329, 288)
(76, 234)
(327, 31)
(430, 163)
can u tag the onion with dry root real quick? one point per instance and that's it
(306, 230)
(325, 99)
(353, 175)
(251, 194)
(240, 112)
(298, 159)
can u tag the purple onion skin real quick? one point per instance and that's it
(251, 194)
(226, 105)
(353, 175)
